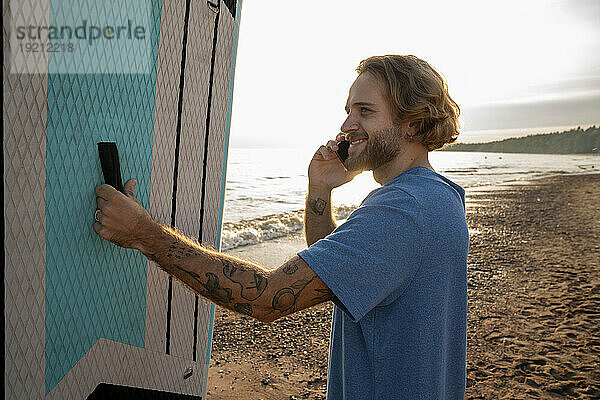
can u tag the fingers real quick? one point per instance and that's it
(129, 188)
(105, 191)
(99, 229)
(326, 153)
(98, 216)
(119, 218)
(105, 207)
(101, 203)
(340, 136)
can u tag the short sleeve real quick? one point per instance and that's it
(372, 256)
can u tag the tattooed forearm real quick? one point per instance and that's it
(178, 250)
(211, 289)
(239, 285)
(290, 267)
(324, 295)
(234, 284)
(252, 284)
(318, 221)
(317, 205)
(285, 299)
(243, 308)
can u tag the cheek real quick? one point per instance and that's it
(374, 124)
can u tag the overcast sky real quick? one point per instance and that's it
(515, 67)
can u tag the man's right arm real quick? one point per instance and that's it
(318, 221)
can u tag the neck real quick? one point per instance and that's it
(414, 155)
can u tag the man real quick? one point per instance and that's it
(396, 269)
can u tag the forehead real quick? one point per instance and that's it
(366, 89)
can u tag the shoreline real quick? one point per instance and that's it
(290, 242)
(270, 253)
(534, 296)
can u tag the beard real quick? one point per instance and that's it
(380, 148)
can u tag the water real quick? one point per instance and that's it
(266, 188)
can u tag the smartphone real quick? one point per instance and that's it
(342, 151)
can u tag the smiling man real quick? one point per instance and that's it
(396, 269)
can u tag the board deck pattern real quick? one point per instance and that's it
(83, 316)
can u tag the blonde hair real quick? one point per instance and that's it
(416, 92)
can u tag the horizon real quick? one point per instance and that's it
(492, 136)
(542, 75)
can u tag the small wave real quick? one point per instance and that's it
(459, 170)
(257, 230)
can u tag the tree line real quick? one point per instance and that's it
(574, 141)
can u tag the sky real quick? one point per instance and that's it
(515, 67)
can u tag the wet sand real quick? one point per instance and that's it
(534, 305)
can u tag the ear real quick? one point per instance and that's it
(411, 129)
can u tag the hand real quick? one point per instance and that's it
(326, 170)
(121, 219)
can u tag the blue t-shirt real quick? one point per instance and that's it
(398, 267)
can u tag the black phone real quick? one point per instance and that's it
(342, 150)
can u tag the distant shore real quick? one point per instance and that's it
(574, 141)
(534, 301)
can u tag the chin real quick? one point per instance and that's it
(356, 165)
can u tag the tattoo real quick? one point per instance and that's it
(243, 308)
(326, 295)
(290, 268)
(179, 250)
(285, 299)
(317, 205)
(212, 289)
(253, 284)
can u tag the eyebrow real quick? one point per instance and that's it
(361, 103)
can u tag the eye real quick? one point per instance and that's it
(364, 110)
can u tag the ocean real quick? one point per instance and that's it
(266, 188)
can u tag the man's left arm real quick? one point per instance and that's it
(229, 282)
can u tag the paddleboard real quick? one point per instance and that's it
(85, 318)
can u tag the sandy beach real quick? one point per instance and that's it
(534, 305)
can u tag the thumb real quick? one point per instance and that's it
(129, 188)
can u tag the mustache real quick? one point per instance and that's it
(356, 136)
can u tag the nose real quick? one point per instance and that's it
(350, 124)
